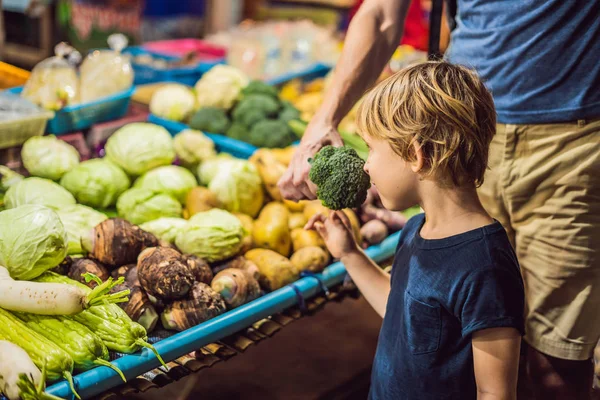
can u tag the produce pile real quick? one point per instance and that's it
(110, 249)
(225, 101)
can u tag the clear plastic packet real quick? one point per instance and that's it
(14, 107)
(53, 83)
(106, 72)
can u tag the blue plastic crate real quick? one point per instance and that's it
(81, 116)
(314, 71)
(145, 74)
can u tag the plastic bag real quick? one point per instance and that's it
(53, 83)
(14, 107)
(106, 72)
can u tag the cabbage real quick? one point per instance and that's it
(237, 185)
(193, 147)
(171, 179)
(139, 205)
(38, 191)
(79, 220)
(173, 101)
(96, 183)
(213, 235)
(140, 147)
(220, 87)
(208, 169)
(48, 157)
(32, 240)
(165, 228)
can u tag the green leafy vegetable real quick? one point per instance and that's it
(139, 205)
(170, 179)
(38, 191)
(48, 157)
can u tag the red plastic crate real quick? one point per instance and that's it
(180, 47)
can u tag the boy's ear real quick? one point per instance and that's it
(417, 164)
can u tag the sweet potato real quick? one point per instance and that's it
(116, 242)
(236, 286)
(164, 273)
(81, 266)
(312, 258)
(201, 304)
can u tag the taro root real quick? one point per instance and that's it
(129, 272)
(81, 266)
(236, 286)
(201, 304)
(116, 242)
(164, 273)
(199, 268)
(239, 262)
(64, 267)
(138, 307)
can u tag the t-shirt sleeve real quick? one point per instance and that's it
(492, 298)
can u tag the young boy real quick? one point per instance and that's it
(453, 305)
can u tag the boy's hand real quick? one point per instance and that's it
(336, 231)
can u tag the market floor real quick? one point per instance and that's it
(326, 356)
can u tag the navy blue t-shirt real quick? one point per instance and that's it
(539, 58)
(442, 291)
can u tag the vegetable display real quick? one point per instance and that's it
(38, 191)
(193, 147)
(48, 157)
(172, 180)
(173, 101)
(78, 220)
(140, 205)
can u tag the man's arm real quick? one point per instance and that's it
(496, 363)
(372, 38)
(372, 281)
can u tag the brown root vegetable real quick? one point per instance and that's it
(374, 231)
(392, 219)
(138, 307)
(164, 273)
(239, 262)
(236, 286)
(81, 266)
(116, 242)
(64, 267)
(200, 199)
(199, 268)
(312, 258)
(129, 272)
(201, 304)
(276, 271)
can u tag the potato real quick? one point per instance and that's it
(295, 206)
(275, 270)
(284, 156)
(311, 258)
(355, 224)
(305, 238)
(311, 208)
(270, 171)
(271, 229)
(200, 199)
(248, 224)
(297, 220)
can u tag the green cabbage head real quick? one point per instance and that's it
(38, 191)
(165, 228)
(139, 205)
(79, 220)
(213, 235)
(48, 157)
(238, 186)
(193, 147)
(140, 147)
(170, 179)
(32, 241)
(209, 168)
(96, 183)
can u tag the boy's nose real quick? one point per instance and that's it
(366, 167)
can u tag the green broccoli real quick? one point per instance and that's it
(210, 119)
(289, 113)
(340, 178)
(271, 133)
(237, 131)
(255, 103)
(259, 87)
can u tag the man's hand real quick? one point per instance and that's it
(294, 184)
(496, 363)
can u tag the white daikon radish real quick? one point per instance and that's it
(14, 362)
(54, 298)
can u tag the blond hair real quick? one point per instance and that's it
(444, 108)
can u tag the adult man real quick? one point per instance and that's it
(541, 60)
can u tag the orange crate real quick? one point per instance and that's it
(11, 76)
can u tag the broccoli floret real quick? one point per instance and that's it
(271, 134)
(259, 87)
(237, 131)
(289, 113)
(248, 116)
(210, 119)
(256, 102)
(340, 178)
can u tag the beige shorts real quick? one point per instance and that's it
(543, 185)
